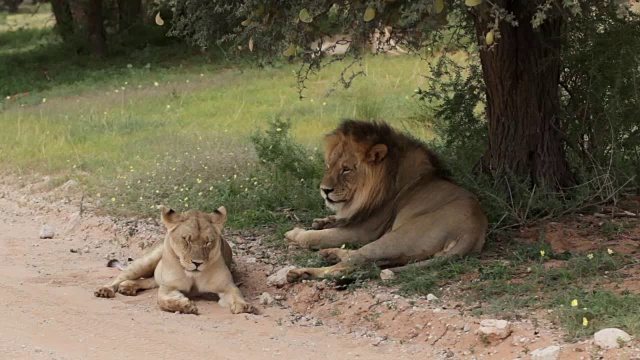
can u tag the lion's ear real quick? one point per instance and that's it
(219, 216)
(169, 217)
(377, 153)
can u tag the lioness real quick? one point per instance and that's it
(193, 259)
(389, 194)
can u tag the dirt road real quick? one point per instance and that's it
(48, 310)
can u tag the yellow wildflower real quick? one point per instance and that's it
(574, 303)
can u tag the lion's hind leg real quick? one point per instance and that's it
(318, 273)
(143, 267)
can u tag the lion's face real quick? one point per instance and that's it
(351, 174)
(194, 236)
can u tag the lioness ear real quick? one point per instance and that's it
(169, 217)
(220, 215)
(377, 153)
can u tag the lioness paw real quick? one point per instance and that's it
(293, 237)
(105, 292)
(128, 288)
(242, 307)
(188, 307)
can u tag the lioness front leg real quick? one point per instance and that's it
(232, 298)
(173, 300)
(230, 295)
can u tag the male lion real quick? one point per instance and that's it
(390, 195)
(193, 259)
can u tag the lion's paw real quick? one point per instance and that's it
(334, 255)
(297, 274)
(128, 288)
(293, 238)
(105, 292)
(323, 223)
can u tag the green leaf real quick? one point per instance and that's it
(246, 22)
(259, 11)
(472, 2)
(439, 6)
(369, 14)
(489, 38)
(291, 50)
(304, 16)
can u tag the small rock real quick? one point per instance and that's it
(386, 275)
(466, 328)
(495, 330)
(611, 338)
(432, 297)
(279, 279)
(74, 221)
(266, 299)
(69, 185)
(47, 232)
(548, 353)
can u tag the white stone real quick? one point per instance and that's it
(266, 299)
(431, 297)
(611, 338)
(495, 329)
(387, 275)
(280, 277)
(47, 232)
(548, 353)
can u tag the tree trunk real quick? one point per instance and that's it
(129, 13)
(522, 74)
(12, 5)
(95, 25)
(64, 19)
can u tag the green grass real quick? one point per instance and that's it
(520, 281)
(162, 123)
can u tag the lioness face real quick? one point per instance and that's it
(195, 237)
(350, 169)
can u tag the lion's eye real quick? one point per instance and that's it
(345, 171)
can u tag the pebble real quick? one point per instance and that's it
(47, 232)
(611, 338)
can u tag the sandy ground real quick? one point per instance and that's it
(49, 312)
(48, 309)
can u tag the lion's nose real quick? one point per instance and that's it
(326, 190)
(196, 263)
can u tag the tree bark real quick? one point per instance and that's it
(95, 25)
(64, 19)
(129, 13)
(522, 74)
(12, 5)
